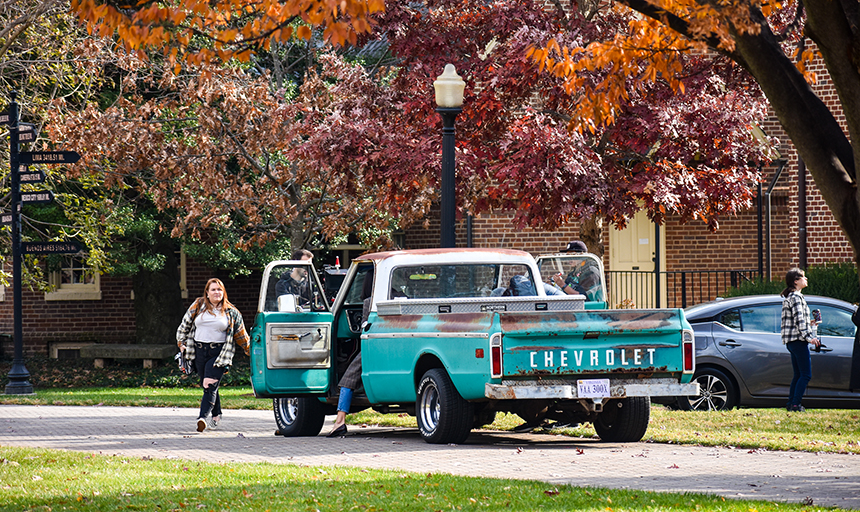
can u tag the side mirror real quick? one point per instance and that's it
(287, 303)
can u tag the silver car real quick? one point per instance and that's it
(741, 361)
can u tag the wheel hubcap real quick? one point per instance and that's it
(430, 407)
(289, 409)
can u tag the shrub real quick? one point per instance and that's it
(837, 280)
(80, 373)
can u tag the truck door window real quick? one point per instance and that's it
(301, 282)
(353, 295)
(582, 273)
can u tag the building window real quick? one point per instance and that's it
(74, 280)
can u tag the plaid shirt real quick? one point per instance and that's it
(795, 324)
(236, 334)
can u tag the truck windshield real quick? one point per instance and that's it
(464, 281)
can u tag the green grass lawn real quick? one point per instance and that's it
(816, 430)
(47, 480)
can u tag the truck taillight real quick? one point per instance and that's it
(496, 355)
(689, 352)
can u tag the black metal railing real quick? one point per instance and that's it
(676, 289)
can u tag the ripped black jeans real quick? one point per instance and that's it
(205, 355)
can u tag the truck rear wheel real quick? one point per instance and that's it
(297, 417)
(624, 420)
(443, 415)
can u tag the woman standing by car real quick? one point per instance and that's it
(797, 335)
(854, 384)
(208, 335)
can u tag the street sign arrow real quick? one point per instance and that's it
(31, 177)
(48, 157)
(50, 247)
(5, 118)
(5, 219)
(40, 196)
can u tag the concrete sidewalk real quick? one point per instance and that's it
(248, 436)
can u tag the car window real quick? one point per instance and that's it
(761, 318)
(731, 318)
(834, 321)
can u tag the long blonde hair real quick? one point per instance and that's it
(208, 306)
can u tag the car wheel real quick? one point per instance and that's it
(297, 417)
(624, 420)
(443, 415)
(718, 392)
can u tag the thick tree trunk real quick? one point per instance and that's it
(812, 127)
(810, 123)
(158, 306)
(591, 233)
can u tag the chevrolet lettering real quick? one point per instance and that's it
(588, 359)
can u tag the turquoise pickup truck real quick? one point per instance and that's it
(453, 336)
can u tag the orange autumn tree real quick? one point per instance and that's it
(197, 31)
(631, 155)
(775, 42)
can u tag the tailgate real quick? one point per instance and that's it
(592, 342)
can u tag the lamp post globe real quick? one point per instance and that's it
(449, 88)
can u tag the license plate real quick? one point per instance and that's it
(593, 388)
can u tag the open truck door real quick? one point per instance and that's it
(291, 337)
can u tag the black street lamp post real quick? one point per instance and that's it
(449, 100)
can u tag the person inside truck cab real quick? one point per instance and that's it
(583, 278)
(296, 281)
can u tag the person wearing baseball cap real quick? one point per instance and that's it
(583, 278)
(575, 246)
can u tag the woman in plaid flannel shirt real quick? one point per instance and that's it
(208, 335)
(797, 335)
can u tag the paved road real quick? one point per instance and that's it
(248, 436)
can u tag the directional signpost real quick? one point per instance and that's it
(48, 157)
(50, 247)
(38, 197)
(32, 177)
(26, 132)
(23, 133)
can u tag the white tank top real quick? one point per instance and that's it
(211, 328)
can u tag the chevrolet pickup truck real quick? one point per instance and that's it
(453, 336)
